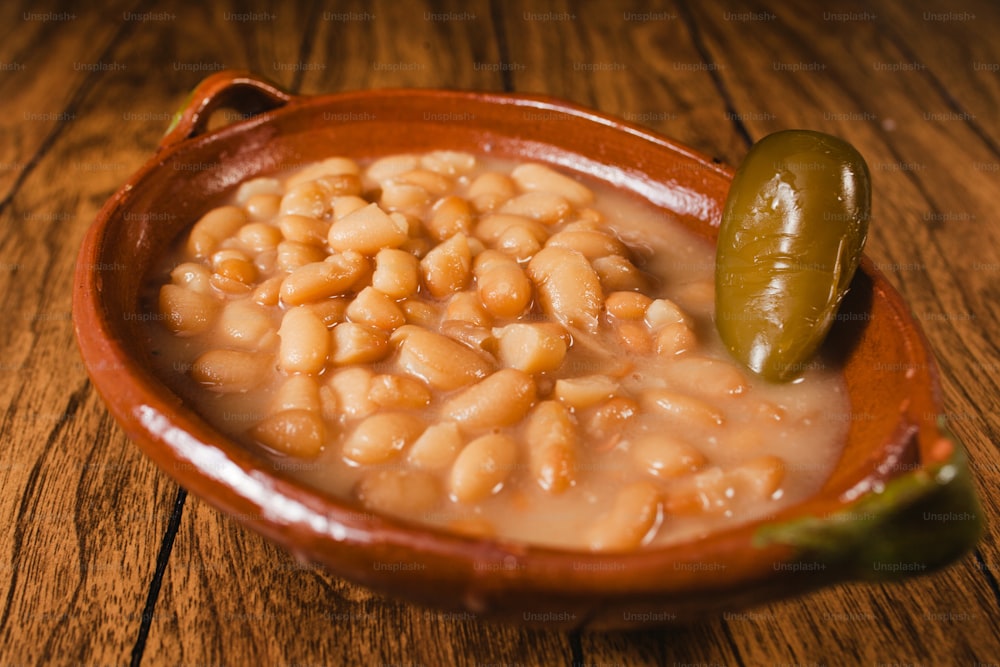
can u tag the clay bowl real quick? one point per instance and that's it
(877, 517)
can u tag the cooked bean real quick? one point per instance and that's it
(449, 216)
(346, 204)
(418, 247)
(437, 447)
(353, 343)
(446, 269)
(685, 409)
(666, 456)
(292, 255)
(234, 270)
(396, 273)
(389, 166)
(538, 177)
(404, 493)
(230, 371)
(635, 515)
(608, 420)
(381, 437)
(590, 244)
(213, 227)
(708, 378)
(342, 185)
(438, 360)
(552, 445)
(618, 274)
(502, 285)
(259, 236)
(490, 228)
(501, 399)
(368, 230)
(351, 388)
(373, 307)
(397, 196)
(707, 491)
(663, 312)
(532, 348)
(192, 276)
(226, 253)
(519, 242)
(256, 187)
(228, 285)
(266, 262)
(545, 207)
(674, 339)
(420, 313)
(467, 307)
(268, 292)
(479, 338)
(186, 312)
(488, 191)
(298, 433)
(263, 206)
(244, 324)
(311, 199)
(758, 479)
(399, 391)
(431, 181)
(298, 392)
(482, 467)
(331, 311)
(334, 166)
(304, 229)
(715, 490)
(585, 391)
(449, 163)
(634, 337)
(627, 305)
(321, 280)
(305, 342)
(568, 289)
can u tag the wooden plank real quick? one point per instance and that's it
(40, 86)
(362, 45)
(231, 597)
(641, 66)
(966, 71)
(85, 512)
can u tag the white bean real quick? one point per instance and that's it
(367, 231)
(568, 289)
(381, 437)
(482, 467)
(305, 342)
(552, 444)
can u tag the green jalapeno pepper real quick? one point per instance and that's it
(792, 231)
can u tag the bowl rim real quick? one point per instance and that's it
(309, 522)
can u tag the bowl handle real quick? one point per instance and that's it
(918, 522)
(233, 89)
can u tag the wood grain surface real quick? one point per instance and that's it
(105, 561)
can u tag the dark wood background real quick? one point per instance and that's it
(104, 560)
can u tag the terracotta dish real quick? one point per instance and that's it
(900, 501)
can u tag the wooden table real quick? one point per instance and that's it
(104, 560)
